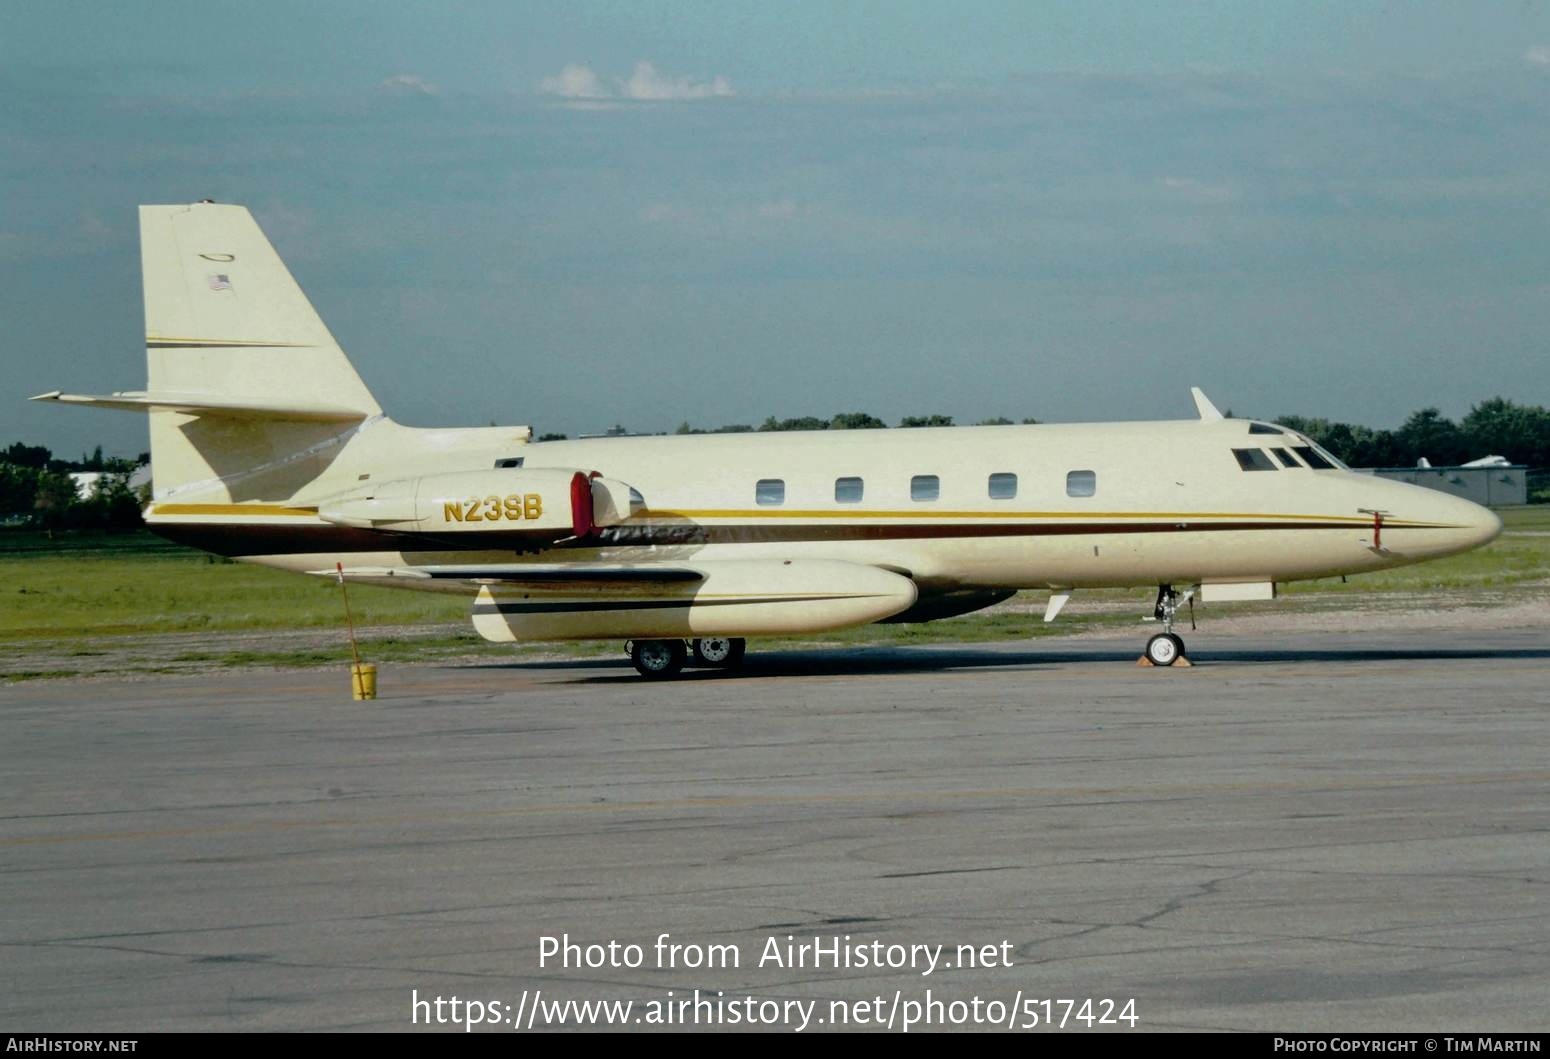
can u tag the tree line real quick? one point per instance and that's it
(1497, 427)
(36, 490)
(839, 421)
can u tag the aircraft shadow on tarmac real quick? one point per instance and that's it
(876, 661)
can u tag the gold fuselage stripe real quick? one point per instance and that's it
(919, 515)
(265, 510)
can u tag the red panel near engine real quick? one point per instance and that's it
(581, 505)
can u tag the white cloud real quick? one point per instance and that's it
(408, 84)
(645, 84)
(575, 82)
(1539, 55)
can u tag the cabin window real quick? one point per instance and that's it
(510, 461)
(1253, 460)
(848, 490)
(1082, 483)
(1285, 458)
(1003, 486)
(769, 492)
(1313, 458)
(925, 487)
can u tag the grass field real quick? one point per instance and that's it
(99, 585)
(109, 584)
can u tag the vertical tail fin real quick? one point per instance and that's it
(225, 321)
(223, 316)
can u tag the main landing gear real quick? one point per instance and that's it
(1167, 647)
(662, 659)
(720, 652)
(658, 659)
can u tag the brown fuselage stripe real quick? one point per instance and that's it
(268, 539)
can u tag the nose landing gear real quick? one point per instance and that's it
(1167, 647)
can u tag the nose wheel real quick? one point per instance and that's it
(1164, 649)
(1167, 647)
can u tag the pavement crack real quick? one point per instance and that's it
(1209, 888)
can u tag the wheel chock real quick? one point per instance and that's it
(1182, 662)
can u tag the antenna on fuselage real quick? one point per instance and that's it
(1209, 413)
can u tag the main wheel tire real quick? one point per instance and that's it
(1164, 649)
(658, 659)
(721, 652)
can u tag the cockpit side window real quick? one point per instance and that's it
(1253, 460)
(1285, 458)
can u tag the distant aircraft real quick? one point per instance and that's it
(267, 447)
(1484, 461)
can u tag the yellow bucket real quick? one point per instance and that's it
(363, 681)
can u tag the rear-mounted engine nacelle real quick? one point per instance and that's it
(537, 502)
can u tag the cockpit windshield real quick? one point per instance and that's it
(1310, 452)
(1315, 456)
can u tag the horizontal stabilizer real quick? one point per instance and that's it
(205, 405)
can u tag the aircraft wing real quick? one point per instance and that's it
(537, 575)
(590, 600)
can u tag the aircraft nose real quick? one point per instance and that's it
(1485, 527)
(1468, 525)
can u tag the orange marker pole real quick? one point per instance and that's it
(348, 620)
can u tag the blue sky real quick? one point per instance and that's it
(582, 214)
